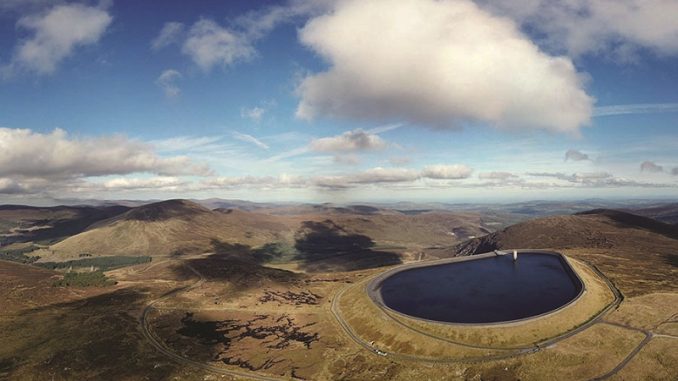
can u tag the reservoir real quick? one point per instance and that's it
(489, 289)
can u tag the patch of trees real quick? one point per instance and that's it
(84, 279)
(19, 255)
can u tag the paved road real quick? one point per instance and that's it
(649, 335)
(336, 312)
(145, 327)
(598, 319)
(513, 352)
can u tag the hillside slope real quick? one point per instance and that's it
(185, 227)
(19, 223)
(667, 213)
(164, 228)
(640, 253)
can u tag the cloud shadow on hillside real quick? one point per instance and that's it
(326, 247)
(97, 336)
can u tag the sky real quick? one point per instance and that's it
(338, 100)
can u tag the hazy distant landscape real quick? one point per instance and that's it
(193, 289)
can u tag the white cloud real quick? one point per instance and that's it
(575, 155)
(674, 171)
(598, 26)
(583, 177)
(437, 63)
(450, 172)
(55, 34)
(649, 166)
(209, 44)
(55, 155)
(154, 183)
(167, 82)
(171, 33)
(249, 139)
(496, 176)
(379, 175)
(647, 108)
(254, 113)
(260, 182)
(258, 23)
(350, 141)
(384, 175)
(595, 180)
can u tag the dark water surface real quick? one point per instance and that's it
(483, 290)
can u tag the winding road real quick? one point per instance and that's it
(597, 319)
(336, 313)
(145, 327)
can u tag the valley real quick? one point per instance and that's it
(207, 294)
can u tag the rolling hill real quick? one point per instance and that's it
(667, 213)
(19, 223)
(186, 227)
(164, 228)
(639, 252)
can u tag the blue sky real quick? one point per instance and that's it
(338, 100)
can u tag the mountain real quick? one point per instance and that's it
(164, 228)
(185, 227)
(664, 212)
(640, 253)
(19, 223)
(598, 228)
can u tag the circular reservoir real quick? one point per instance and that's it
(481, 289)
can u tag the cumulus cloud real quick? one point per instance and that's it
(582, 177)
(208, 44)
(167, 81)
(674, 171)
(350, 141)
(597, 26)
(437, 63)
(171, 33)
(596, 180)
(154, 183)
(575, 155)
(380, 175)
(649, 166)
(496, 175)
(254, 113)
(249, 139)
(56, 155)
(260, 182)
(451, 172)
(55, 34)
(11, 186)
(384, 175)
